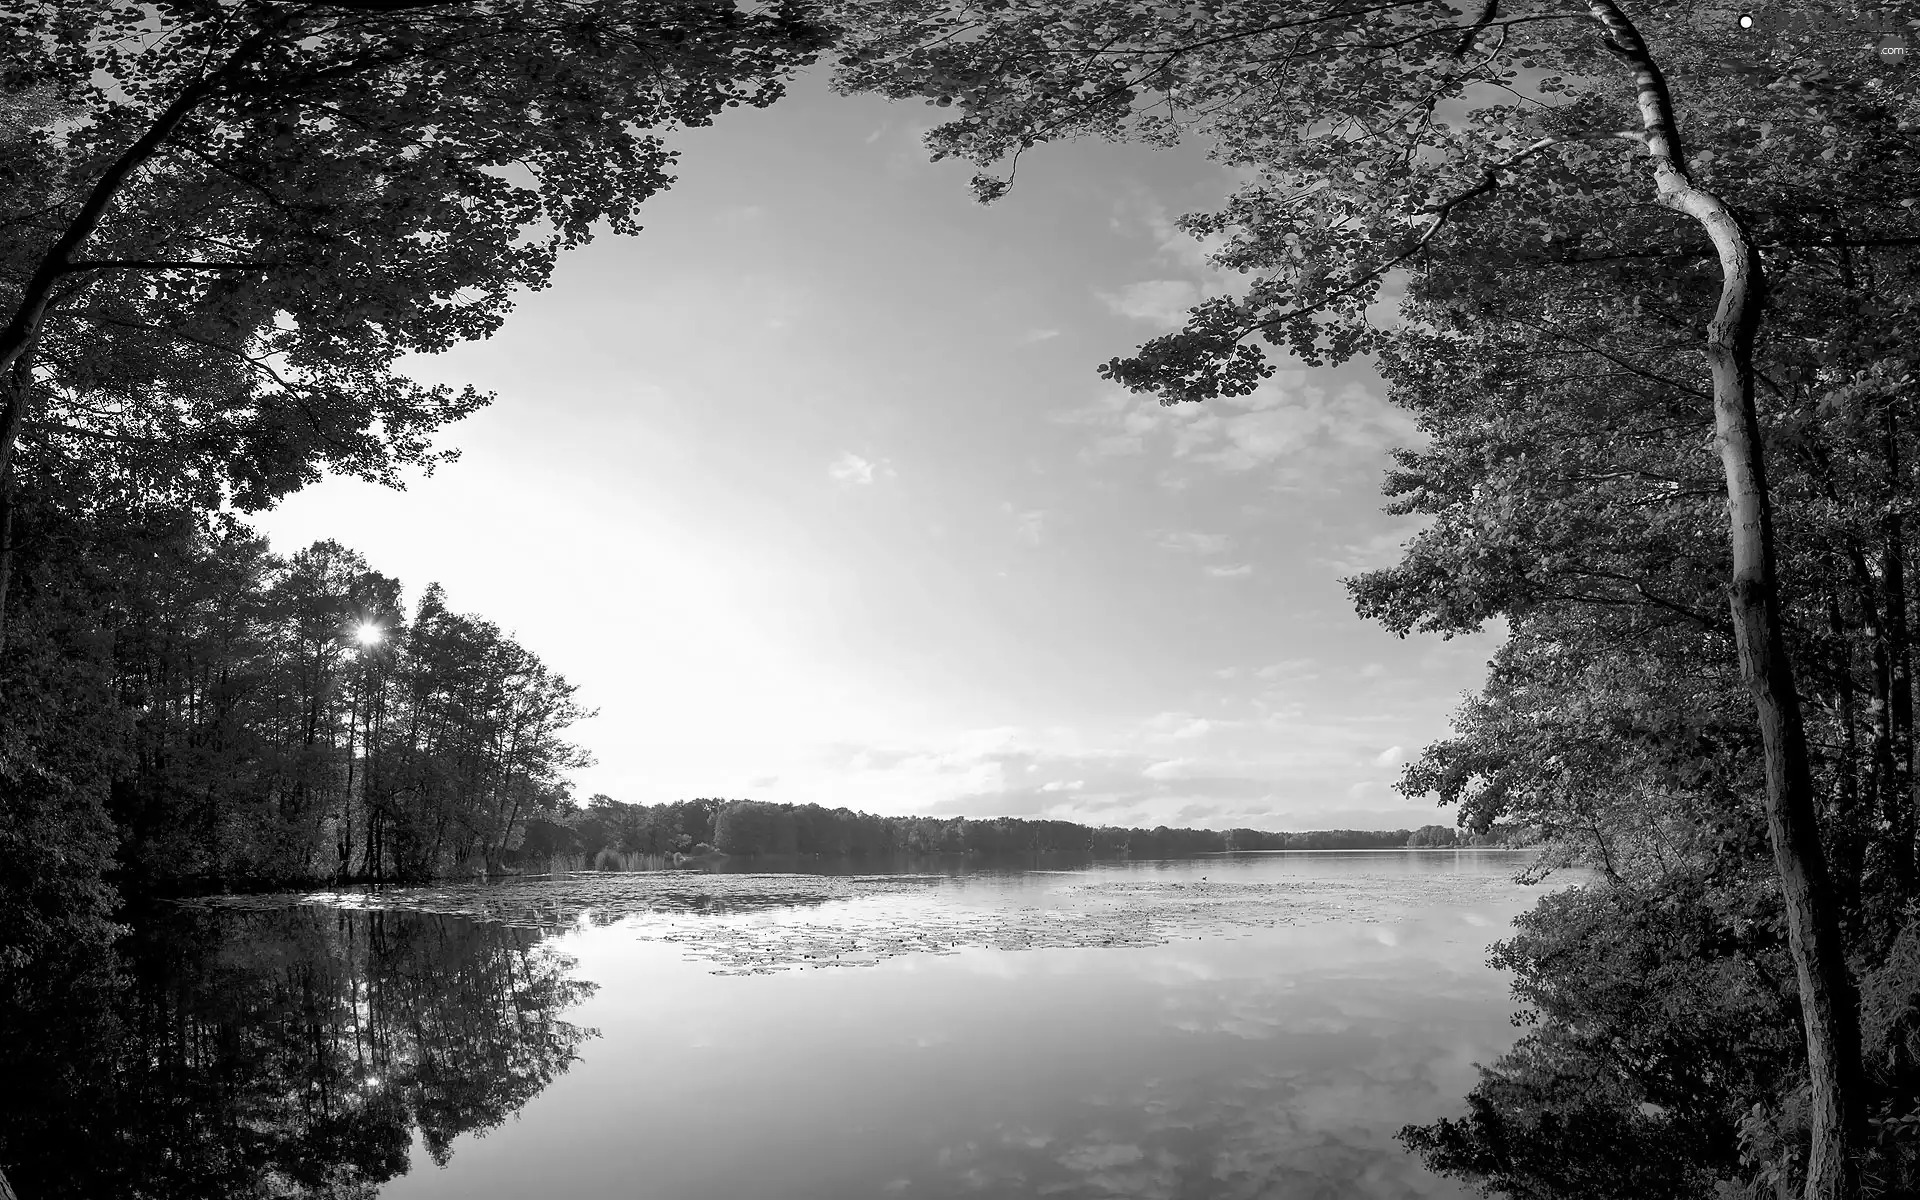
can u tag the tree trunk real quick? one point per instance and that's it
(1828, 1006)
(1847, 851)
(19, 391)
(1893, 577)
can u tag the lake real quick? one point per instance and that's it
(1254, 1025)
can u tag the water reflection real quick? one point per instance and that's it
(1223, 1062)
(756, 923)
(1168, 1031)
(554, 904)
(294, 1052)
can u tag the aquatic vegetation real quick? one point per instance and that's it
(758, 924)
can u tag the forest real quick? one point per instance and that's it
(606, 831)
(265, 751)
(1644, 276)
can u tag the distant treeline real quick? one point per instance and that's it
(748, 828)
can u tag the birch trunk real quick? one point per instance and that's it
(1828, 1007)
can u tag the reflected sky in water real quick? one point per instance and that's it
(1266, 1036)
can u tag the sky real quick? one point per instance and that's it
(814, 490)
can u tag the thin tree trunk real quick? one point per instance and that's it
(1847, 851)
(346, 803)
(1828, 1006)
(1893, 577)
(6, 552)
(19, 390)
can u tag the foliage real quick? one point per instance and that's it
(749, 828)
(190, 711)
(1375, 137)
(56, 836)
(272, 745)
(1435, 836)
(224, 224)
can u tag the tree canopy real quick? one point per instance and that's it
(224, 225)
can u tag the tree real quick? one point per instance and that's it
(748, 828)
(463, 743)
(256, 740)
(225, 223)
(1383, 139)
(1442, 837)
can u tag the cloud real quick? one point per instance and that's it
(1304, 430)
(1092, 1159)
(1172, 768)
(1160, 301)
(1121, 421)
(1378, 550)
(1038, 335)
(1029, 525)
(1236, 571)
(1392, 756)
(850, 470)
(1196, 543)
(1139, 211)
(1288, 418)
(1113, 447)
(1179, 725)
(1263, 769)
(1290, 668)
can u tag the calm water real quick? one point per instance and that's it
(1253, 1026)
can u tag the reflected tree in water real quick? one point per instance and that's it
(286, 1053)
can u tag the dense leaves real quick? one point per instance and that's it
(222, 225)
(1374, 137)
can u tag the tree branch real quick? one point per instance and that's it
(1489, 182)
(145, 264)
